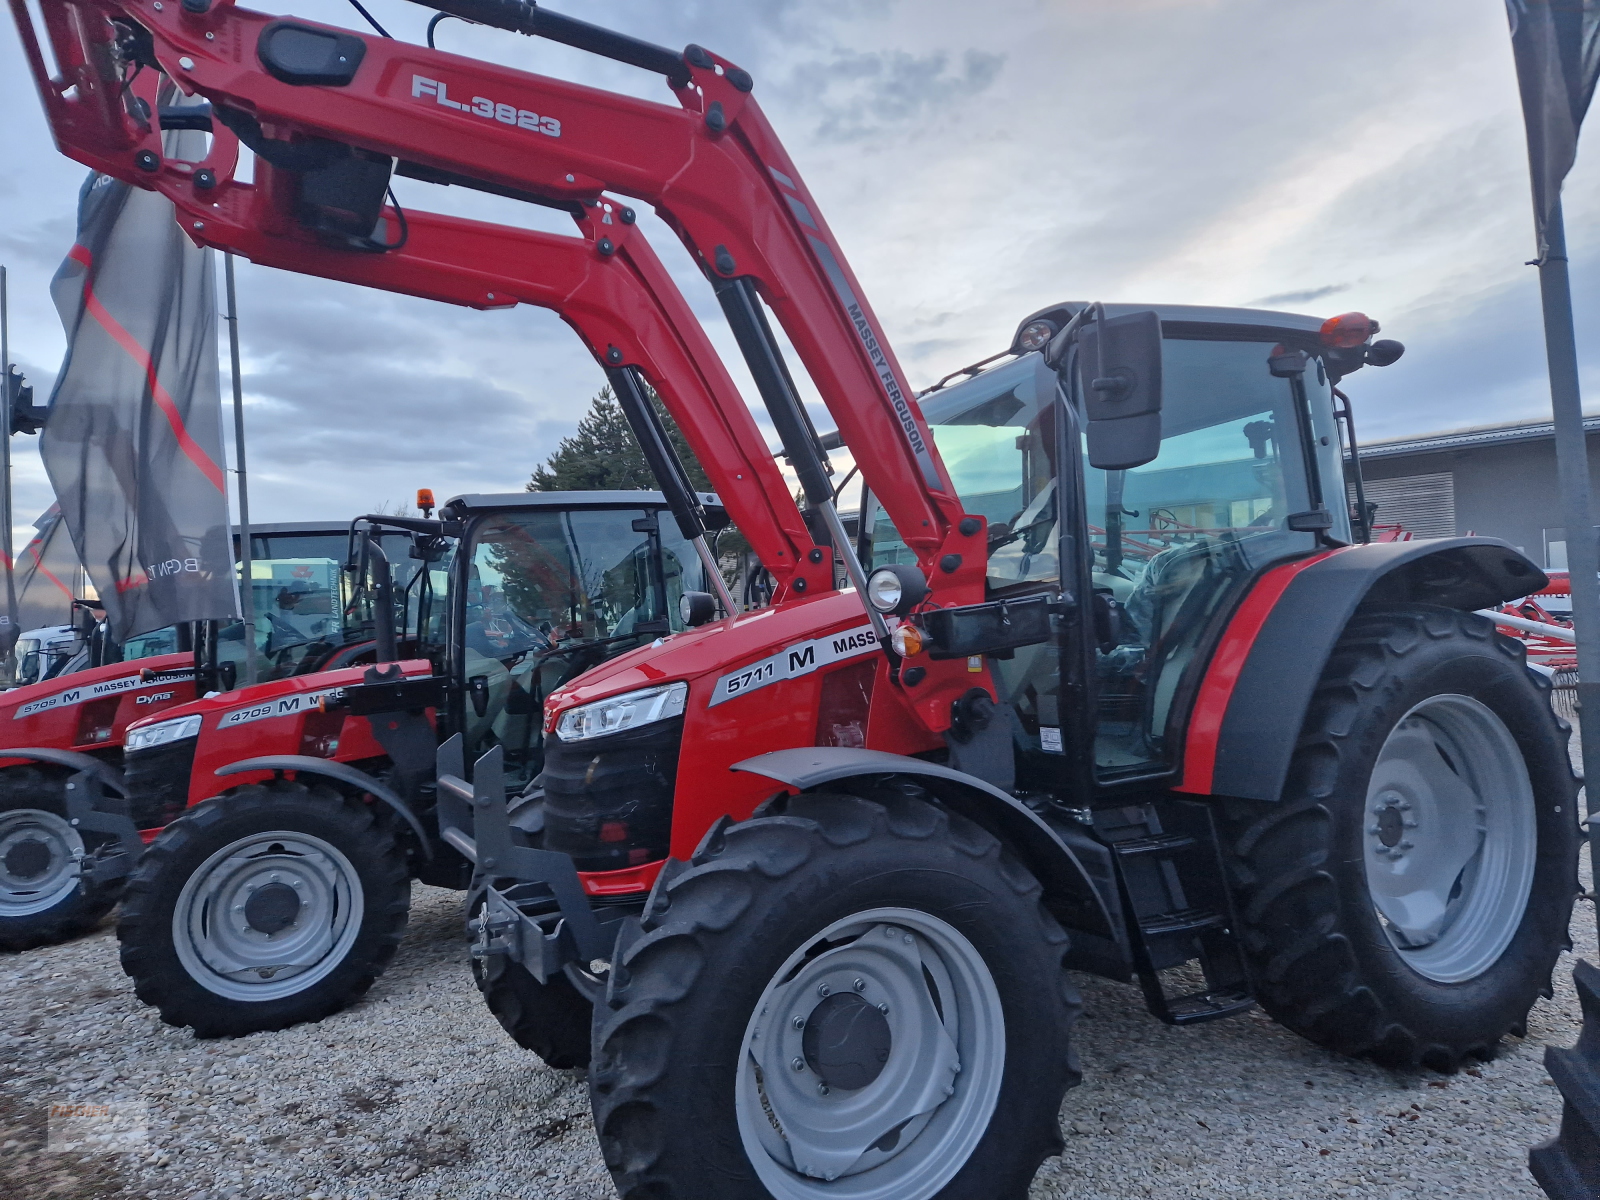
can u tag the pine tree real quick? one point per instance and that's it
(604, 455)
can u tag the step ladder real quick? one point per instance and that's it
(1174, 893)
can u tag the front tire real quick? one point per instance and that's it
(273, 905)
(1408, 896)
(43, 899)
(889, 948)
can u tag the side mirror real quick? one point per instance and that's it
(1119, 364)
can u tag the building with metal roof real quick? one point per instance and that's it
(1496, 480)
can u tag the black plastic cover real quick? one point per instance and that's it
(608, 800)
(307, 56)
(365, 699)
(158, 782)
(986, 628)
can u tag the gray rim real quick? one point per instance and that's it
(39, 856)
(228, 946)
(904, 1134)
(1450, 838)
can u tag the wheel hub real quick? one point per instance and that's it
(1451, 843)
(27, 858)
(39, 855)
(267, 916)
(846, 1042)
(272, 908)
(852, 1080)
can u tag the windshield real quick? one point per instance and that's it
(997, 437)
(1169, 541)
(305, 603)
(27, 661)
(549, 594)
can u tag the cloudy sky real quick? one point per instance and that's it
(976, 161)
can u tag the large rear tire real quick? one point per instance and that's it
(1408, 896)
(842, 997)
(43, 899)
(276, 904)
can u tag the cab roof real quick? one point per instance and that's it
(1237, 322)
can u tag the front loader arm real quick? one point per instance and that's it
(608, 285)
(711, 166)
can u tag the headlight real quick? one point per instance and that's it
(897, 588)
(162, 732)
(883, 589)
(627, 711)
(1035, 334)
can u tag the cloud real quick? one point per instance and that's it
(976, 163)
(1301, 297)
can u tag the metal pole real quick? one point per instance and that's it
(5, 465)
(247, 602)
(1572, 469)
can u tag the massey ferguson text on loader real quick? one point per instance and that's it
(1233, 735)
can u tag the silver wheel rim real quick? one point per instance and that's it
(39, 855)
(1450, 838)
(267, 916)
(905, 1132)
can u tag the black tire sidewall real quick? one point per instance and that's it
(148, 950)
(1459, 1013)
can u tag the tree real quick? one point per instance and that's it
(604, 455)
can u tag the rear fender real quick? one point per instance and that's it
(1069, 891)
(1252, 701)
(304, 764)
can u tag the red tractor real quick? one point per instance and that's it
(1128, 690)
(265, 900)
(64, 857)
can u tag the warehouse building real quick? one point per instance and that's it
(1494, 480)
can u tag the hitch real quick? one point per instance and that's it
(473, 818)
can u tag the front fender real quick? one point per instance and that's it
(1250, 705)
(1066, 884)
(306, 765)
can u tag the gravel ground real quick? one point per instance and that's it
(416, 1093)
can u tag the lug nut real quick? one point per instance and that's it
(861, 985)
(799, 1022)
(884, 1009)
(799, 1064)
(824, 990)
(822, 1089)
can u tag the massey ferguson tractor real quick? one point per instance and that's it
(63, 857)
(1126, 692)
(266, 901)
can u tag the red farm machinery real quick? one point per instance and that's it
(1121, 684)
(63, 857)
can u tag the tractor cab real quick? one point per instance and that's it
(1251, 469)
(523, 592)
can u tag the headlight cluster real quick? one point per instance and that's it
(162, 732)
(627, 711)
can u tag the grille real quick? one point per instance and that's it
(608, 801)
(158, 782)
